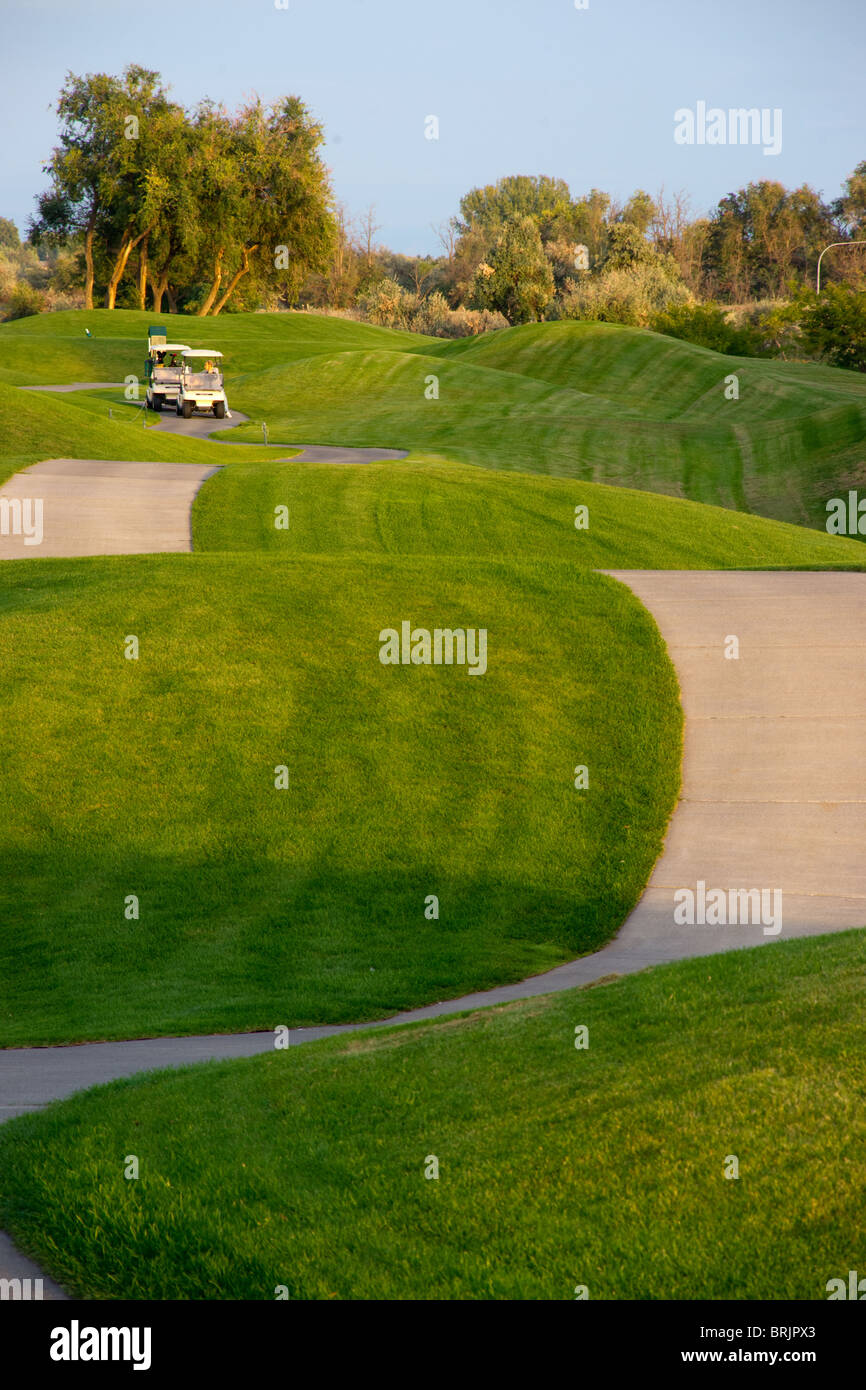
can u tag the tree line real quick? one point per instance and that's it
(208, 210)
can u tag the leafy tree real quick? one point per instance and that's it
(592, 215)
(267, 201)
(628, 247)
(850, 209)
(518, 280)
(106, 181)
(758, 236)
(639, 211)
(546, 200)
(9, 234)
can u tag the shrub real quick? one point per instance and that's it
(23, 301)
(633, 296)
(833, 325)
(709, 327)
(432, 316)
(388, 304)
(468, 323)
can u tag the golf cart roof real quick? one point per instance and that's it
(201, 352)
(170, 347)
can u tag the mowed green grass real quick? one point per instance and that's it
(155, 778)
(426, 505)
(602, 1167)
(54, 348)
(594, 402)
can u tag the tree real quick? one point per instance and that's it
(9, 234)
(627, 248)
(761, 235)
(106, 173)
(850, 209)
(369, 228)
(546, 200)
(265, 199)
(639, 211)
(518, 280)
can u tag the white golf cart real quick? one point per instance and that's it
(201, 383)
(162, 369)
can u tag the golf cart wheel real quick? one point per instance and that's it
(219, 409)
(187, 410)
(156, 403)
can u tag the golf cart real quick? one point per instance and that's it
(162, 369)
(201, 383)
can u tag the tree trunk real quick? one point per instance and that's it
(88, 260)
(128, 245)
(172, 298)
(142, 274)
(217, 280)
(157, 289)
(247, 252)
(117, 271)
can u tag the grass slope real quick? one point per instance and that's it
(54, 348)
(36, 425)
(593, 402)
(258, 906)
(557, 1167)
(428, 506)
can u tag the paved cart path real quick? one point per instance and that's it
(74, 507)
(101, 507)
(203, 426)
(773, 797)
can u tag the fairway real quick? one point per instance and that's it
(602, 1167)
(595, 402)
(155, 777)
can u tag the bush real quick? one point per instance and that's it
(388, 304)
(23, 301)
(468, 323)
(633, 296)
(432, 316)
(709, 327)
(833, 325)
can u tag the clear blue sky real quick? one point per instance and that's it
(519, 86)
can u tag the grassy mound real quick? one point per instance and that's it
(558, 1167)
(54, 348)
(591, 402)
(428, 506)
(156, 778)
